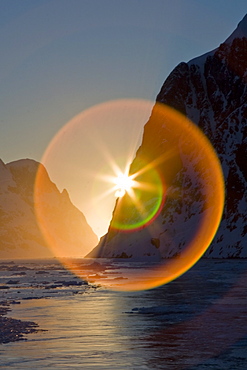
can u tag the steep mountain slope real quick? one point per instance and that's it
(20, 235)
(211, 90)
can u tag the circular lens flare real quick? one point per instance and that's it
(169, 202)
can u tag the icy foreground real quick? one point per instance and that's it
(19, 232)
(32, 280)
(198, 321)
(211, 90)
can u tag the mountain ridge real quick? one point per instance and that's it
(20, 232)
(211, 90)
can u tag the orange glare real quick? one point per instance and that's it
(170, 197)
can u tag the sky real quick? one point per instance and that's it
(80, 68)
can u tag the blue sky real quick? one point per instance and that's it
(60, 57)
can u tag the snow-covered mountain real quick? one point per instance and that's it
(210, 90)
(20, 235)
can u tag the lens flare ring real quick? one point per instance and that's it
(180, 174)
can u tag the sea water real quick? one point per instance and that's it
(198, 321)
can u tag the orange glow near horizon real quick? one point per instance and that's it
(136, 186)
(91, 150)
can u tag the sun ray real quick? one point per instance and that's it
(105, 194)
(154, 164)
(147, 186)
(136, 201)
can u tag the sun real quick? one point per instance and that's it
(123, 183)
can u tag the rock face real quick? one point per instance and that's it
(210, 90)
(20, 235)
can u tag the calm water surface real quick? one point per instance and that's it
(199, 321)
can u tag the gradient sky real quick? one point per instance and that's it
(60, 57)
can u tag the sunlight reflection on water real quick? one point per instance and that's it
(198, 321)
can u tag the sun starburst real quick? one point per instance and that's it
(124, 183)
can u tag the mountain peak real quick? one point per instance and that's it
(211, 90)
(239, 32)
(20, 229)
(243, 24)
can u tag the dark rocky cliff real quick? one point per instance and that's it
(210, 90)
